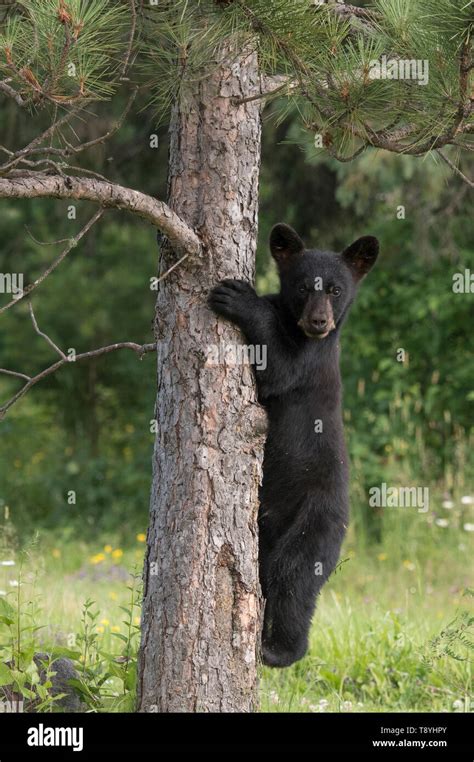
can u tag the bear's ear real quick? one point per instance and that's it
(361, 255)
(285, 244)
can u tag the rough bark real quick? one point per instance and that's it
(201, 615)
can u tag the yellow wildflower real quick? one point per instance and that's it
(97, 559)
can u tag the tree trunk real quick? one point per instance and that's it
(201, 613)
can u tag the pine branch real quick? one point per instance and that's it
(333, 90)
(66, 51)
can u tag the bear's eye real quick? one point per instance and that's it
(335, 290)
(302, 289)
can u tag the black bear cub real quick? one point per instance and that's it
(304, 495)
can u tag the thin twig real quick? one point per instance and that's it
(139, 349)
(131, 38)
(71, 245)
(35, 147)
(113, 129)
(29, 149)
(285, 86)
(15, 373)
(173, 267)
(455, 169)
(88, 172)
(45, 243)
(44, 335)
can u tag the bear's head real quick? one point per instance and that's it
(318, 287)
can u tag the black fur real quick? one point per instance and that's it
(304, 495)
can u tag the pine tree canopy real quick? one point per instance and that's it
(396, 74)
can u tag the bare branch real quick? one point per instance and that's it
(33, 146)
(85, 146)
(287, 85)
(89, 172)
(139, 349)
(44, 335)
(15, 373)
(170, 269)
(45, 243)
(108, 195)
(133, 27)
(12, 93)
(72, 243)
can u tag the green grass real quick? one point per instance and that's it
(388, 635)
(371, 650)
(391, 631)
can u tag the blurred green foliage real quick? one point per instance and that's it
(87, 428)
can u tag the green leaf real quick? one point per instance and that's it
(6, 677)
(119, 635)
(130, 679)
(6, 609)
(62, 651)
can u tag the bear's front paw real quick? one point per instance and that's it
(233, 299)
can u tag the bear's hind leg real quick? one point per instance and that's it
(292, 574)
(289, 608)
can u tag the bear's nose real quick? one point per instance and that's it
(319, 322)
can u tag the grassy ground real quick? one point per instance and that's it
(391, 629)
(371, 645)
(389, 634)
